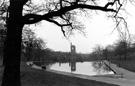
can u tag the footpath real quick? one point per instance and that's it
(122, 77)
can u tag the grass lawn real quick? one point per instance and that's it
(127, 64)
(35, 77)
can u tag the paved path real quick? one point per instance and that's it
(127, 78)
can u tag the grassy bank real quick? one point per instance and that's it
(34, 77)
(127, 64)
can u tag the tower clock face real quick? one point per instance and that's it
(72, 48)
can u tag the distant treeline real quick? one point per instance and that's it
(121, 50)
(57, 56)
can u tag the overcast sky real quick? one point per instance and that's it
(98, 31)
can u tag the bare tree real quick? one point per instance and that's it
(98, 49)
(31, 43)
(28, 38)
(39, 46)
(121, 49)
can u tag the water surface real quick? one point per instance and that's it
(84, 68)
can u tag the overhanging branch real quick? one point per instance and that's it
(61, 25)
(55, 22)
(33, 18)
(63, 10)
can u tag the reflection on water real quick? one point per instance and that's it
(72, 66)
(85, 68)
(100, 68)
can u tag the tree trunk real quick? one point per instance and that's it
(120, 57)
(125, 51)
(12, 51)
(125, 54)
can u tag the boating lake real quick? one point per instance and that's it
(85, 68)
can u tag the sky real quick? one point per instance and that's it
(98, 30)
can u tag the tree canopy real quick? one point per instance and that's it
(64, 12)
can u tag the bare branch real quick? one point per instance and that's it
(55, 22)
(31, 18)
(65, 10)
(62, 11)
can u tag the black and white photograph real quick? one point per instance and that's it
(67, 43)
